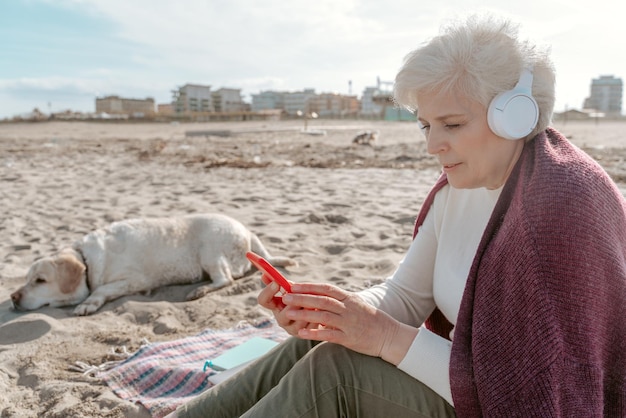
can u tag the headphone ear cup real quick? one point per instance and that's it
(513, 114)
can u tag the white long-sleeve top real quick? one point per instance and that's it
(433, 274)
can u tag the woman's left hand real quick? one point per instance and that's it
(348, 320)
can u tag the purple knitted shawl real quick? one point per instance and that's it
(541, 329)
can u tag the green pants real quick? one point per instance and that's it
(301, 378)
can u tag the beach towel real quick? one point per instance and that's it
(162, 376)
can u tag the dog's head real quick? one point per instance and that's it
(58, 280)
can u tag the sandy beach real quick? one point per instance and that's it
(345, 212)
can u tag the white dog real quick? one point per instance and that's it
(138, 255)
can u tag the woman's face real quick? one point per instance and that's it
(458, 134)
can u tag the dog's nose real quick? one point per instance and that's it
(16, 297)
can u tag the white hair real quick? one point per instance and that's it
(477, 59)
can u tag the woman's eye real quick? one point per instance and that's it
(422, 126)
(452, 126)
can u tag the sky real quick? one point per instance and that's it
(62, 54)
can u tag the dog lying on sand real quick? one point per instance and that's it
(139, 255)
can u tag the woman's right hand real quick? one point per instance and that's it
(269, 299)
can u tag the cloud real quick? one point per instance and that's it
(225, 41)
(145, 48)
(75, 86)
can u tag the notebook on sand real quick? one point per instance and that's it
(243, 353)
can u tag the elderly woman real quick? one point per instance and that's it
(511, 298)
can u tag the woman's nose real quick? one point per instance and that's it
(435, 142)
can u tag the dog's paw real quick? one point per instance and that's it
(200, 292)
(197, 293)
(87, 308)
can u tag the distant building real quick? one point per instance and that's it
(192, 98)
(115, 105)
(266, 100)
(306, 101)
(606, 95)
(378, 102)
(165, 109)
(298, 101)
(37, 114)
(572, 114)
(368, 106)
(228, 100)
(334, 105)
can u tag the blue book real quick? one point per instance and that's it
(243, 353)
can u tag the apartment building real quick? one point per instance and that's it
(298, 101)
(369, 107)
(334, 105)
(115, 105)
(192, 98)
(165, 109)
(228, 100)
(307, 101)
(267, 100)
(606, 95)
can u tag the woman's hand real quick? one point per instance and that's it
(348, 320)
(269, 299)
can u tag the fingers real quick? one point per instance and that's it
(311, 304)
(321, 333)
(325, 304)
(283, 318)
(314, 302)
(313, 316)
(266, 278)
(325, 289)
(292, 327)
(267, 297)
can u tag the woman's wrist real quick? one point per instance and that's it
(398, 340)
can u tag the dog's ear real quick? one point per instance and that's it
(70, 271)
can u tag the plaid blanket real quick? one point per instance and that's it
(162, 376)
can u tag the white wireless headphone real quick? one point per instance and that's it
(513, 114)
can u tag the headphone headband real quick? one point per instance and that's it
(525, 81)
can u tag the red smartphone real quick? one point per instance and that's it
(263, 265)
